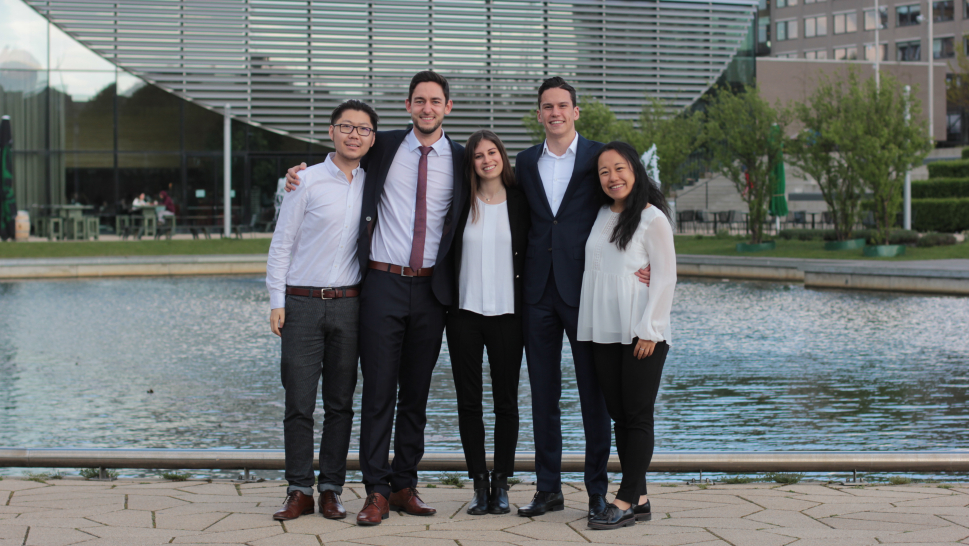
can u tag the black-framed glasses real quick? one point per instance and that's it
(347, 129)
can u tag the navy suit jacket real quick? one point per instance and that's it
(556, 242)
(377, 164)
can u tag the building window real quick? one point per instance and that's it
(846, 54)
(786, 30)
(907, 15)
(908, 51)
(845, 22)
(953, 125)
(815, 26)
(943, 48)
(763, 30)
(870, 52)
(870, 18)
(818, 54)
(943, 11)
(789, 55)
(786, 3)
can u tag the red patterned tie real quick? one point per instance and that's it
(420, 212)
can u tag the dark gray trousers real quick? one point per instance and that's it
(319, 339)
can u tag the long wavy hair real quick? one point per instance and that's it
(507, 174)
(645, 191)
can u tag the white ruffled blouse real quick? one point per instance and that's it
(615, 306)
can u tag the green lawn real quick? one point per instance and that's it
(689, 244)
(134, 248)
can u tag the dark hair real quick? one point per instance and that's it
(358, 105)
(507, 173)
(645, 191)
(556, 82)
(429, 76)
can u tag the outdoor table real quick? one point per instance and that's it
(149, 217)
(73, 217)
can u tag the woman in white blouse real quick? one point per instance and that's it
(628, 322)
(488, 254)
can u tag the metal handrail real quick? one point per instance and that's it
(663, 461)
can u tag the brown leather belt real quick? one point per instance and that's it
(325, 293)
(400, 270)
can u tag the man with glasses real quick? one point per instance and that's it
(313, 277)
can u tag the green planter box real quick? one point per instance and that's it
(744, 247)
(850, 244)
(884, 251)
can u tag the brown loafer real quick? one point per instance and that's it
(408, 501)
(331, 507)
(374, 511)
(296, 504)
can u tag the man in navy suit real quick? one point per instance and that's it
(560, 182)
(405, 231)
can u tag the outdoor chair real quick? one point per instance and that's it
(827, 219)
(121, 221)
(686, 216)
(92, 227)
(798, 218)
(205, 230)
(194, 232)
(869, 220)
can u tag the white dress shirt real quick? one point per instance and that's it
(556, 171)
(486, 284)
(396, 211)
(615, 306)
(315, 241)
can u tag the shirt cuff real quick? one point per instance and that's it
(277, 300)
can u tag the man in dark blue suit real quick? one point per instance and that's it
(560, 182)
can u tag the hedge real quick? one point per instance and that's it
(965, 153)
(936, 239)
(943, 215)
(939, 188)
(949, 169)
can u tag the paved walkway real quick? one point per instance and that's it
(136, 512)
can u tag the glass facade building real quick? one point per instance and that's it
(112, 99)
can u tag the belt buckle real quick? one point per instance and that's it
(322, 291)
(404, 268)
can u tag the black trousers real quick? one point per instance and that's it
(468, 335)
(319, 338)
(401, 330)
(544, 324)
(630, 387)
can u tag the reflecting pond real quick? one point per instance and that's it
(753, 366)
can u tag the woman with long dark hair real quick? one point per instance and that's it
(628, 322)
(488, 254)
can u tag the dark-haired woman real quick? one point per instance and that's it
(488, 252)
(628, 322)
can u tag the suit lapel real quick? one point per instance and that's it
(583, 154)
(539, 187)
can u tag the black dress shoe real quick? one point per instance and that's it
(542, 502)
(498, 501)
(479, 504)
(642, 511)
(613, 518)
(597, 505)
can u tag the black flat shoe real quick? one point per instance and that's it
(613, 518)
(597, 505)
(642, 511)
(542, 502)
(479, 504)
(498, 501)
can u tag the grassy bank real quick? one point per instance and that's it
(70, 249)
(689, 244)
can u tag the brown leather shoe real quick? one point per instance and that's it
(296, 504)
(408, 501)
(330, 506)
(374, 510)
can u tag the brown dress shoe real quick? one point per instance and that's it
(374, 510)
(408, 501)
(331, 507)
(296, 504)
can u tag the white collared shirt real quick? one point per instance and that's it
(486, 284)
(556, 171)
(315, 241)
(394, 234)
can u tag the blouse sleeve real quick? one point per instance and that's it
(662, 261)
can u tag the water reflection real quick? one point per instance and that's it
(754, 366)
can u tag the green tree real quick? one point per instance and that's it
(815, 151)
(879, 144)
(737, 132)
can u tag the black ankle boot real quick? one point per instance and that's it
(479, 504)
(498, 503)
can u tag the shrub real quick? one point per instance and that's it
(802, 234)
(899, 480)
(949, 169)
(965, 153)
(936, 239)
(940, 188)
(949, 215)
(896, 237)
(735, 479)
(176, 476)
(789, 478)
(452, 479)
